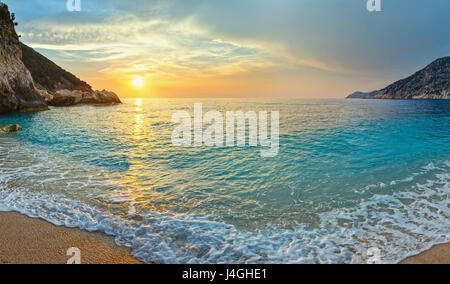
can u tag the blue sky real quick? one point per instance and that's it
(254, 48)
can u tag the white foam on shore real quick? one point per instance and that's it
(400, 225)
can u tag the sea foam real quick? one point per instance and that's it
(398, 225)
(350, 176)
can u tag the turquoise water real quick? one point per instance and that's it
(350, 175)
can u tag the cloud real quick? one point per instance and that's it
(181, 35)
(162, 46)
(178, 39)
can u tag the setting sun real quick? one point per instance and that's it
(138, 82)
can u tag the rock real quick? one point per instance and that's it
(46, 95)
(430, 83)
(107, 97)
(70, 98)
(11, 128)
(59, 87)
(66, 98)
(17, 90)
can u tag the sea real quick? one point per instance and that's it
(354, 181)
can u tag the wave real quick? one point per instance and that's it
(399, 224)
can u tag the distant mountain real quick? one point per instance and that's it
(49, 76)
(432, 82)
(359, 95)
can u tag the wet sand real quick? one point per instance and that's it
(34, 241)
(439, 254)
(25, 240)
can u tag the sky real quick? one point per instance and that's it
(237, 48)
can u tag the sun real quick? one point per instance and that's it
(138, 82)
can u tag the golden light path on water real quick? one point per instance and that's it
(311, 203)
(135, 188)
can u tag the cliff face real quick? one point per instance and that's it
(59, 87)
(52, 85)
(432, 82)
(49, 76)
(17, 90)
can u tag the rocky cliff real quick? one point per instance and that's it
(59, 87)
(30, 81)
(17, 90)
(432, 82)
(49, 76)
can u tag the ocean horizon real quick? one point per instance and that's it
(350, 176)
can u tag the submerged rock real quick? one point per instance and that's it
(11, 128)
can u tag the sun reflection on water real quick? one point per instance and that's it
(138, 132)
(138, 104)
(138, 190)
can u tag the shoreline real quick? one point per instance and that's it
(25, 240)
(438, 254)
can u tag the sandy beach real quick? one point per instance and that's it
(24, 240)
(439, 254)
